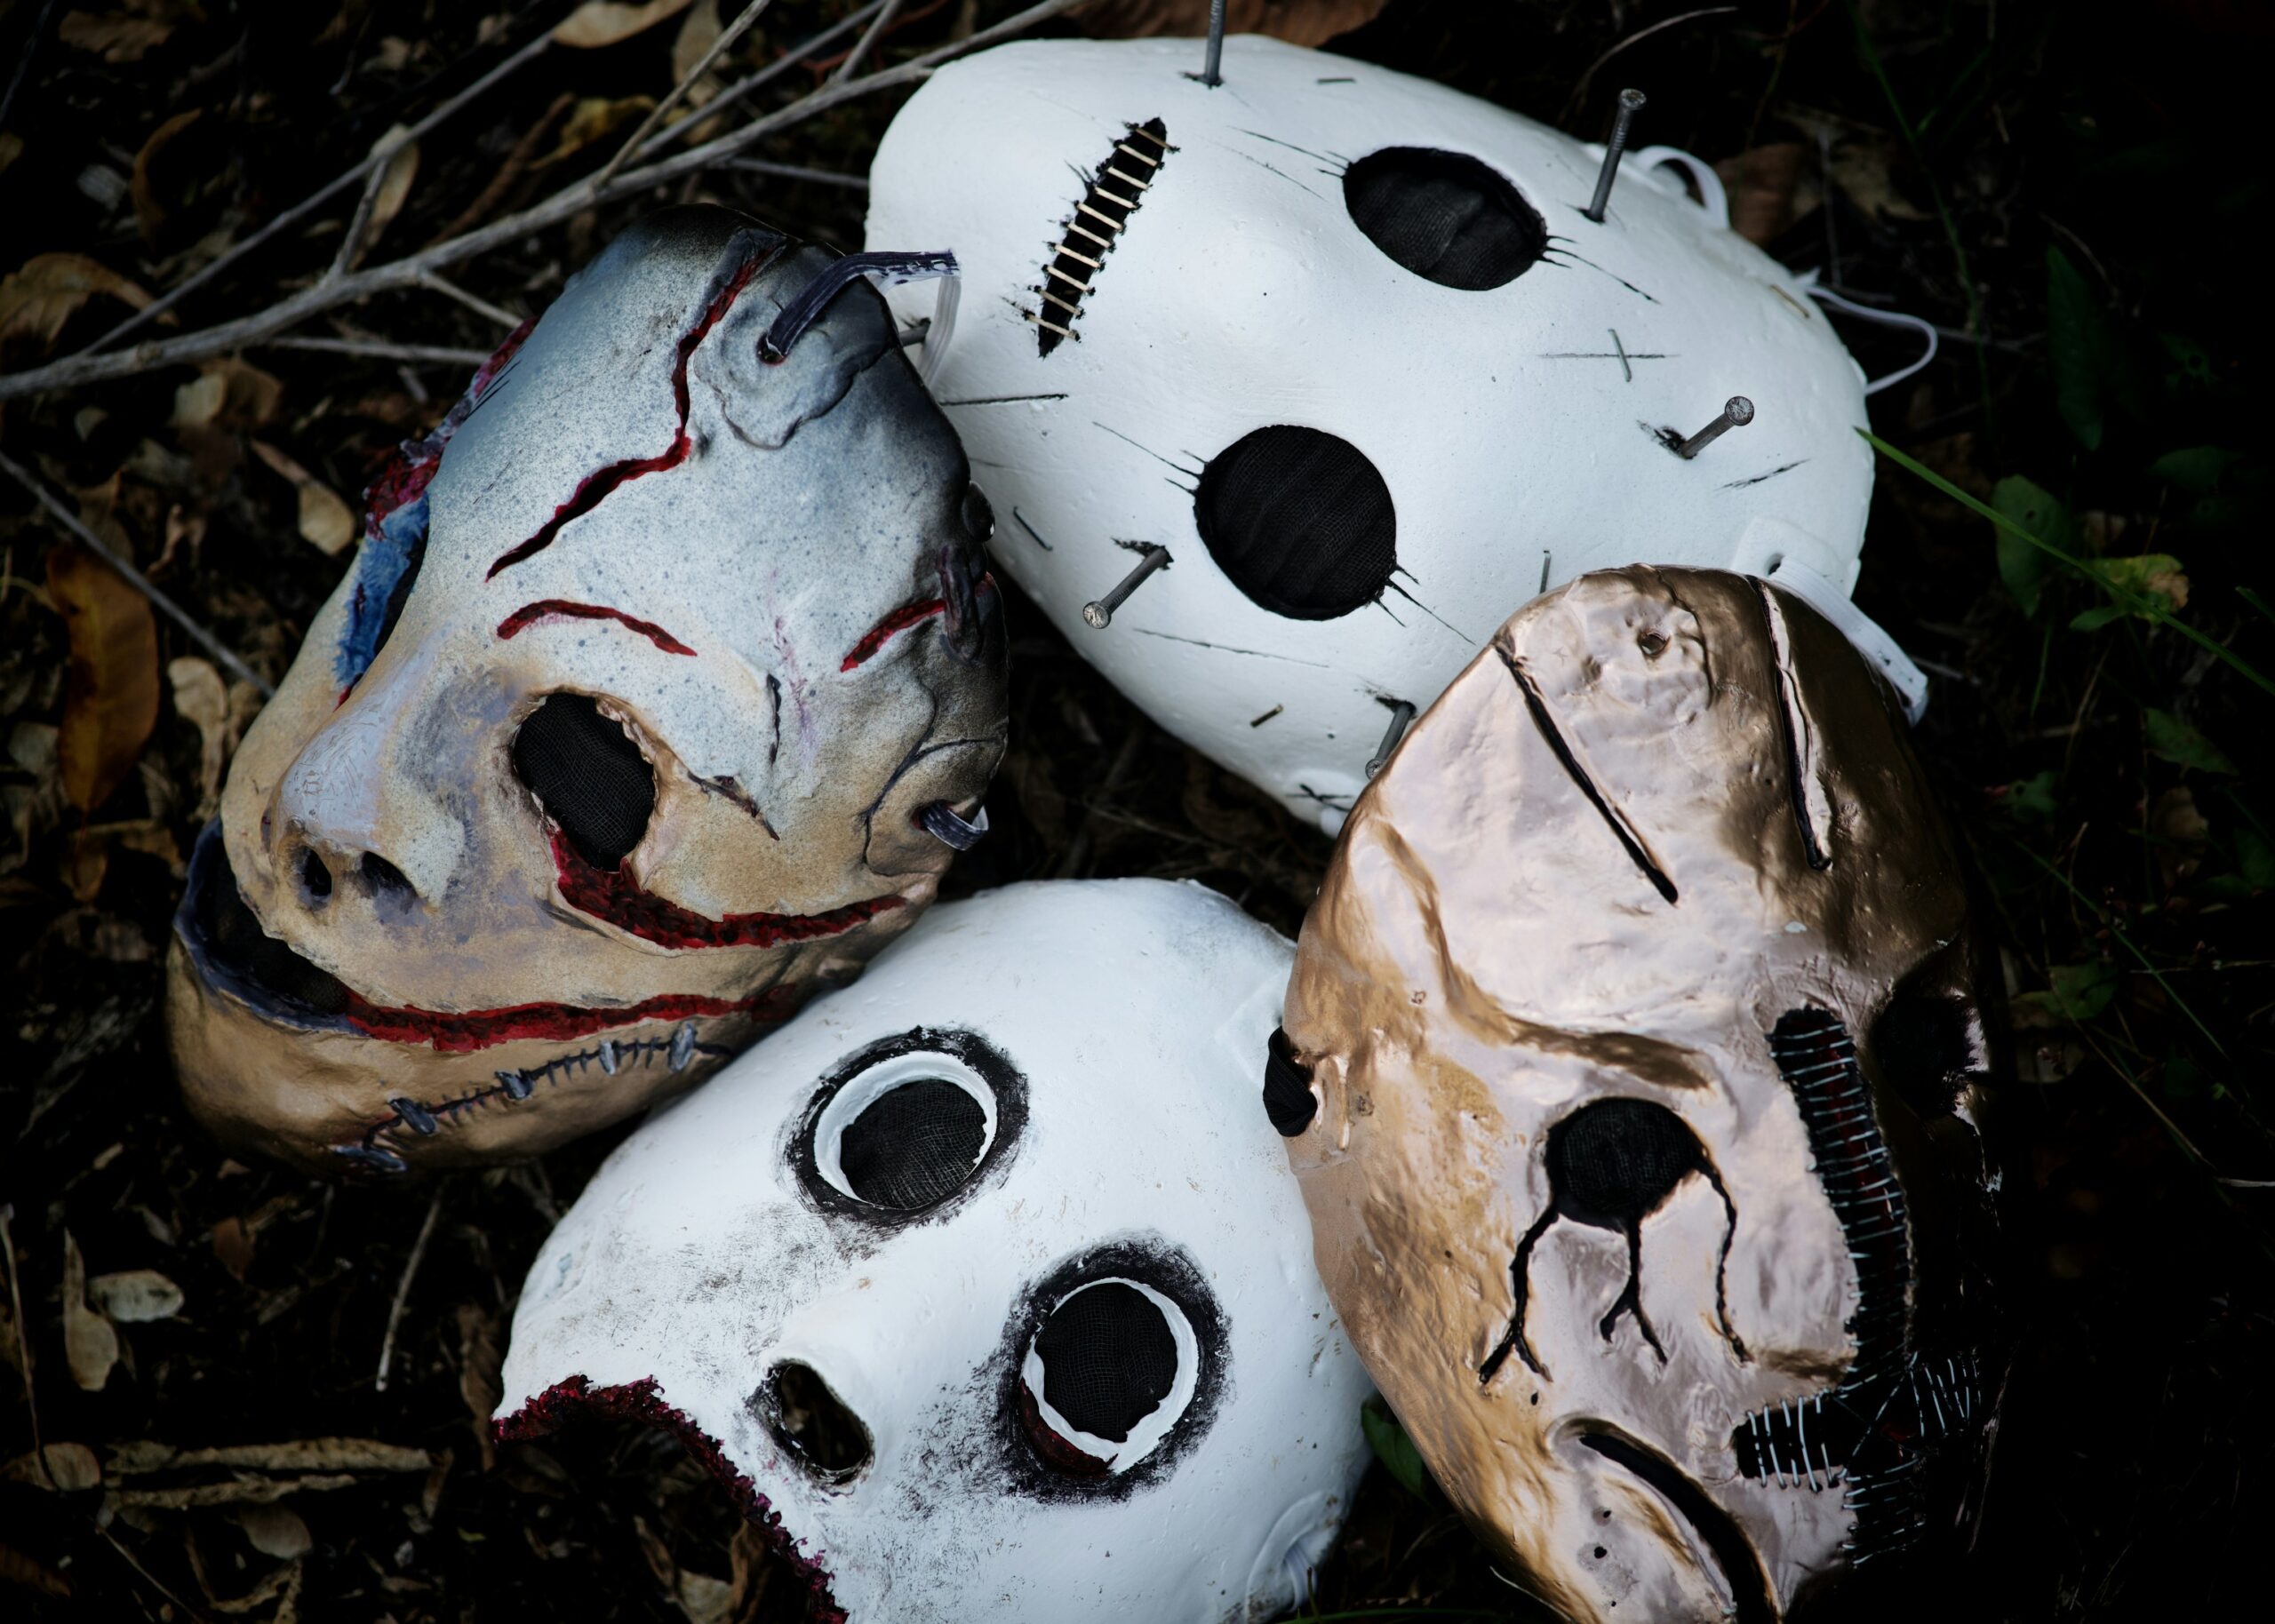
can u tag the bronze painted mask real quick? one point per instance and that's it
(664, 680)
(1633, 1067)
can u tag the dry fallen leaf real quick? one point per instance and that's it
(144, 1456)
(599, 22)
(200, 698)
(276, 1531)
(228, 392)
(89, 1344)
(70, 1467)
(1764, 187)
(135, 1296)
(233, 1244)
(1301, 22)
(150, 213)
(479, 1359)
(38, 301)
(325, 521)
(110, 692)
(394, 185)
(20, 1570)
(118, 38)
(594, 118)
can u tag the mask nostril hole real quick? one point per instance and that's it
(812, 1424)
(315, 876)
(383, 876)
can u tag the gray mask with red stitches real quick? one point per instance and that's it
(664, 687)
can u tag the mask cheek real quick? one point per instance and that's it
(952, 775)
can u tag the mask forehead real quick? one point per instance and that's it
(1575, 1184)
(1475, 443)
(1126, 1146)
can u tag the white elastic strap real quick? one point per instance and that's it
(1886, 318)
(1910, 683)
(1711, 197)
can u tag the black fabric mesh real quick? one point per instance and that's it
(1108, 1359)
(1287, 1098)
(1445, 215)
(589, 776)
(913, 1146)
(1614, 1161)
(236, 941)
(1922, 1047)
(1299, 521)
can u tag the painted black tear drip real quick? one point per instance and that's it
(427, 1120)
(1116, 189)
(1612, 1164)
(1895, 1410)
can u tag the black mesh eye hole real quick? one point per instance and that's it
(1105, 1363)
(1611, 1163)
(978, 514)
(1923, 1045)
(1301, 522)
(913, 1145)
(1445, 217)
(588, 777)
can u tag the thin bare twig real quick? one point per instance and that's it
(23, 1343)
(316, 200)
(861, 46)
(796, 171)
(132, 576)
(381, 349)
(498, 314)
(1580, 90)
(407, 272)
(726, 42)
(359, 224)
(403, 1287)
(762, 77)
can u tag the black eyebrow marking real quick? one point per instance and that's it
(1637, 852)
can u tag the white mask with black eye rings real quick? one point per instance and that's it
(984, 1278)
(1343, 344)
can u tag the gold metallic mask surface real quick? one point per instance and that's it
(1663, 808)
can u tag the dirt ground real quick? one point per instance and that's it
(2068, 192)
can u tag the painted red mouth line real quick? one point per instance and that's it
(643, 1401)
(596, 486)
(562, 609)
(480, 1029)
(610, 895)
(878, 636)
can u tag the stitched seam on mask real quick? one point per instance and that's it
(1090, 232)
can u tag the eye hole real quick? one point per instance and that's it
(1923, 1045)
(1107, 1377)
(978, 514)
(903, 1135)
(588, 777)
(1445, 215)
(1612, 1163)
(1298, 520)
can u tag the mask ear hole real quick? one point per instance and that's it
(588, 777)
(1445, 215)
(1300, 521)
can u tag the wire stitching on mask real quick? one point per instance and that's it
(1116, 190)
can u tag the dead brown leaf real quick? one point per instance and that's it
(116, 37)
(326, 521)
(1763, 184)
(69, 1467)
(395, 187)
(479, 1384)
(1301, 22)
(233, 1245)
(110, 691)
(276, 1531)
(599, 22)
(89, 1344)
(135, 1296)
(36, 301)
(227, 393)
(236, 1492)
(150, 213)
(20, 1570)
(594, 118)
(200, 698)
(144, 1456)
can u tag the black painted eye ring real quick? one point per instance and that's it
(883, 1182)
